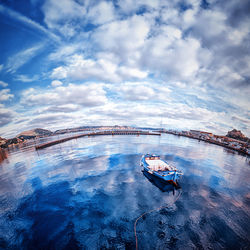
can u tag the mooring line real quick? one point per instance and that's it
(150, 211)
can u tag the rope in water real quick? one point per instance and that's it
(150, 211)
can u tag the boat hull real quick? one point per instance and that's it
(173, 176)
(170, 176)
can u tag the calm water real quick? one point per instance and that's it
(87, 194)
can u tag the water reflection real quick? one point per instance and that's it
(3, 154)
(162, 185)
(87, 193)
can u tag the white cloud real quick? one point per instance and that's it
(131, 6)
(59, 15)
(171, 55)
(26, 78)
(79, 68)
(138, 92)
(49, 119)
(143, 91)
(3, 84)
(189, 18)
(213, 21)
(86, 95)
(5, 95)
(144, 114)
(56, 83)
(16, 61)
(131, 73)
(64, 51)
(101, 13)
(237, 35)
(123, 37)
(65, 108)
(166, 62)
(6, 115)
(59, 72)
(170, 16)
(120, 40)
(25, 20)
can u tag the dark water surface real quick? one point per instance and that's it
(87, 194)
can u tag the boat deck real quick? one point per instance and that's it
(158, 165)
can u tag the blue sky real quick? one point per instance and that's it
(182, 64)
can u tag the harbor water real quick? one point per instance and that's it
(87, 194)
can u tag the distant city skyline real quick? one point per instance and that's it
(172, 64)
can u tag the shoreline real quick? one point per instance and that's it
(128, 132)
(208, 141)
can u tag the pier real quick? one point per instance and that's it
(117, 132)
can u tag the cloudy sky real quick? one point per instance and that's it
(181, 64)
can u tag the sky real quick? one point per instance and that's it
(179, 64)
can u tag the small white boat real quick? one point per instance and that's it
(153, 165)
